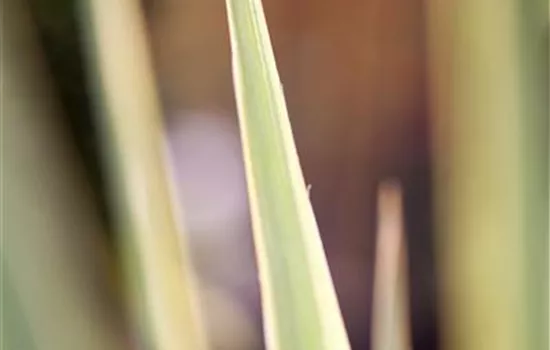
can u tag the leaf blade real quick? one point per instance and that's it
(300, 305)
(164, 286)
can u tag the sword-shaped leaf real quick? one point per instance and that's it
(299, 301)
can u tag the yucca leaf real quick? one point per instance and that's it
(299, 301)
(162, 280)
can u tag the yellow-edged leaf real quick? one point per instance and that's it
(299, 301)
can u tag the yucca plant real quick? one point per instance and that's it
(491, 161)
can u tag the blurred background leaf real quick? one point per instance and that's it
(162, 282)
(54, 267)
(490, 88)
(391, 318)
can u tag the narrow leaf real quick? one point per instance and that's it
(390, 321)
(157, 260)
(299, 301)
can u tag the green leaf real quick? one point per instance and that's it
(299, 301)
(51, 261)
(162, 283)
(490, 106)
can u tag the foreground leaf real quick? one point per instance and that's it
(299, 301)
